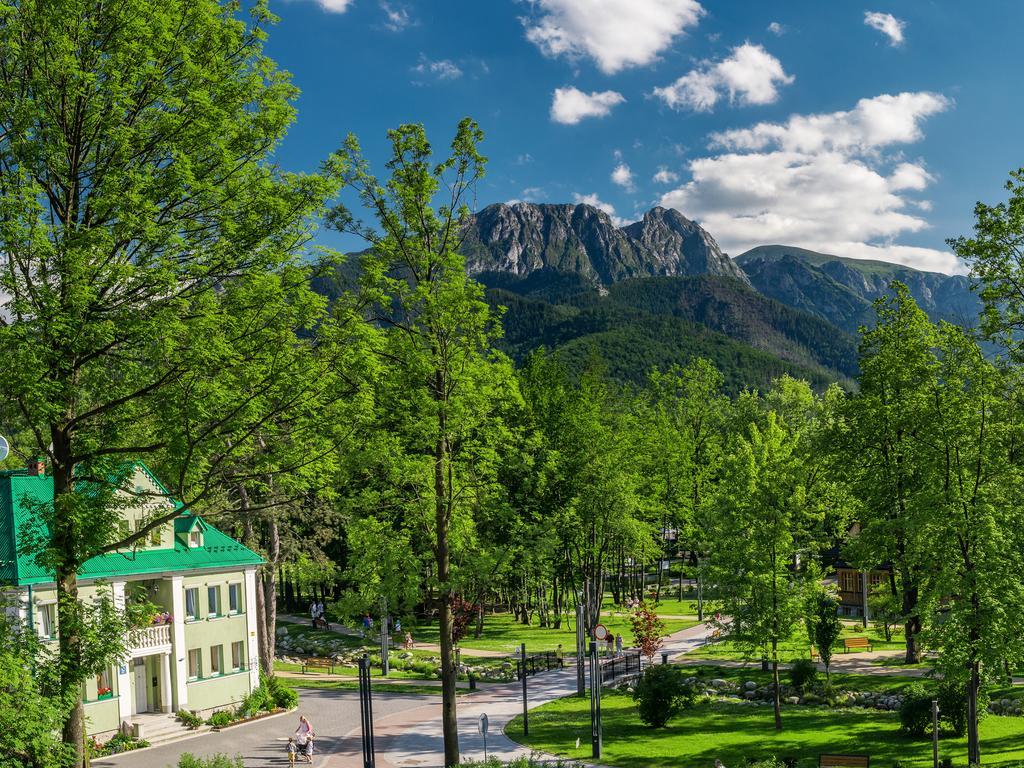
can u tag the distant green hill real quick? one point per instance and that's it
(635, 326)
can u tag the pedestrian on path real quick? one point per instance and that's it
(313, 615)
(304, 738)
(618, 644)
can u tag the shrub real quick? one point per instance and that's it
(189, 718)
(916, 711)
(661, 694)
(281, 696)
(259, 699)
(953, 705)
(188, 760)
(220, 718)
(803, 674)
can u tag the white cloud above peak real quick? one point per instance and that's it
(887, 24)
(571, 105)
(665, 176)
(616, 34)
(595, 202)
(748, 76)
(777, 29)
(820, 181)
(622, 176)
(334, 6)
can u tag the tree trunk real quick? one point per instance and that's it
(266, 592)
(973, 741)
(912, 625)
(776, 698)
(442, 501)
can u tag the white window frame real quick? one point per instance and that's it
(195, 604)
(216, 660)
(213, 609)
(237, 655)
(236, 588)
(50, 625)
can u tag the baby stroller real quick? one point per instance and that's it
(300, 746)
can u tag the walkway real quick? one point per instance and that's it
(413, 737)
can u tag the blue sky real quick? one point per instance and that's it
(863, 130)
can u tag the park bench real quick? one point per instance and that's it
(843, 761)
(856, 643)
(814, 653)
(313, 663)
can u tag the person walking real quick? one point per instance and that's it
(618, 644)
(312, 613)
(304, 738)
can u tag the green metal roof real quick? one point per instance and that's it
(20, 492)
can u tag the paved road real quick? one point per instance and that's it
(412, 738)
(335, 717)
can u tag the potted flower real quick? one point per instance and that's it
(104, 693)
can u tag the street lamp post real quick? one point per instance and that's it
(595, 702)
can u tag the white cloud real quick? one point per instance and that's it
(819, 181)
(871, 125)
(665, 176)
(595, 202)
(616, 34)
(777, 29)
(887, 24)
(623, 177)
(570, 105)
(334, 6)
(524, 159)
(397, 18)
(749, 75)
(443, 69)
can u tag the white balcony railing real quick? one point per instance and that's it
(151, 637)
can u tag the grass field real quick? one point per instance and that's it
(503, 633)
(396, 689)
(795, 648)
(734, 733)
(840, 681)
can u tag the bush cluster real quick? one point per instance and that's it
(803, 674)
(661, 694)
(189, 718)
(916, 711)
(188, 760)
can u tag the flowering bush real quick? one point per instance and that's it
(647, 629)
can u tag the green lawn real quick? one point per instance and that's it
(734, 733)
(503, 633)
(840, 681)
(429, 658)
(795, 648)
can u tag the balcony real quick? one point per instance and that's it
(147, 640)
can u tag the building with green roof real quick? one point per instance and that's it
(200, 652)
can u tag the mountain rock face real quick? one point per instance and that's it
(523, 238)
(842, 290)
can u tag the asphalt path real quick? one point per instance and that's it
(263, 743)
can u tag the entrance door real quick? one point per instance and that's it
(141, 687)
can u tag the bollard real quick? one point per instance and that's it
(764, 664)
(472, 681)
(664, 657)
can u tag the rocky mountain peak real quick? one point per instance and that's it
(521, 238)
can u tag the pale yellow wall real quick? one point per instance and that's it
(145, 500)
(101, 717)
(219, 692)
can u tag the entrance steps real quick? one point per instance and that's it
(159, 728)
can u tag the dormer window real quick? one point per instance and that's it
(195, 538)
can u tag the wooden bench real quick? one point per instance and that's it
(814, 653)
(856, 643)
(318, 664)
(843, 761)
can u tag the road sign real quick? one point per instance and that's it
(483, 724)
(601, 632)
(5, 448)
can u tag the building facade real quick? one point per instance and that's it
(198, 652)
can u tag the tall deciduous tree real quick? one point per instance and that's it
(141, 230)
(882, 454)
(765, 494)
(973, 535)
(444, 386)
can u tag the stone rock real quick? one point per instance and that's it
(750, 685)
(792, 699)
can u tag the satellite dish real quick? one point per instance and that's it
(5, 448)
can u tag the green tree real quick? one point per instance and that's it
(882, 455)
(30, 711)
(444, 385)
(142, 228)
(974, 534)
(764, 493)
(823, 624)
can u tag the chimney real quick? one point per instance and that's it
(37, 466)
